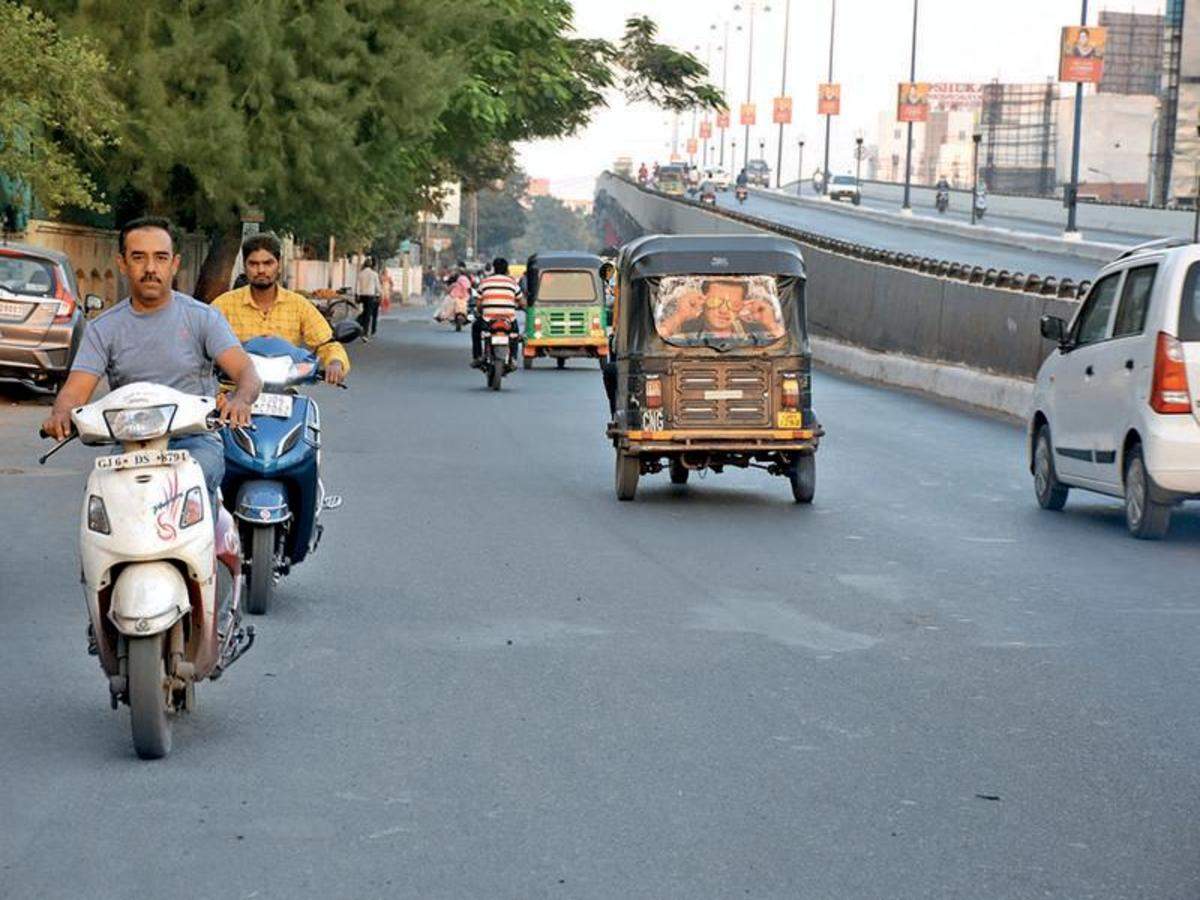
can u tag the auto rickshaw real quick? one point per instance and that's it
(712, 360)
(567, 315)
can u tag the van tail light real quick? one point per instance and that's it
(790, 391)
(66, 305)
(653, 392)
(1169, 393)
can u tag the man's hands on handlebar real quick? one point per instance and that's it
(335, 374)
(233, 411)
(58, 425)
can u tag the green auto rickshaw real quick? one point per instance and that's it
(567, 314)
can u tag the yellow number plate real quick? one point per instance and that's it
(790, 419)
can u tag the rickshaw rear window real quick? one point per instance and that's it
(569, 287)
(724, 310)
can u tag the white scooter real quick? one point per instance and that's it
(150, 551)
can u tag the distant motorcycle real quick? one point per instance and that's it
(501, 345)
(980, 204)
(942, 201)
(741, 193)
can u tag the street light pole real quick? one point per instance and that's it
(787, 24)
(724, 86)
(858, 155)
(749, 83)
(1073, 189)
(975, 139)
(829, 118)
(800, 170)
(1196, 224)
(912, 76)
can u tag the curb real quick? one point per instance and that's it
(1093, 251)
(1011, 397)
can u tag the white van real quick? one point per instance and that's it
(1115, 406)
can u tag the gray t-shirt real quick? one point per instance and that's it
(175, 345)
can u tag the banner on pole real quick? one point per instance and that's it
(705, 130)
(1081, 55)
(693, 146)
(749, 116)
(829, 99)
(781, 111)
(723, 119)
(912, 101)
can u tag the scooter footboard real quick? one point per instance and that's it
(262, 502)
(148, 598)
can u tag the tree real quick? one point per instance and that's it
(55, 112)
(552, 225)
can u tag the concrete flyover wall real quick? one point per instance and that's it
(875, 306)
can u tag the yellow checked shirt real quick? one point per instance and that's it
(292, 317)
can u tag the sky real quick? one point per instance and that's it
(957, 41)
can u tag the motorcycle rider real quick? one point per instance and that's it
(943, 191)
(264, 308)
(162, 336)
(499, 297)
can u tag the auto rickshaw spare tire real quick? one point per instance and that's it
(679, 472)
(629, 468)
(803, 476)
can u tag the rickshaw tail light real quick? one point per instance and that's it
(653, 392)
(791, 392)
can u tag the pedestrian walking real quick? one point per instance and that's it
(368, 288)
(385, 290)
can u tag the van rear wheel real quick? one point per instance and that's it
(629, 469)
(1145, 518)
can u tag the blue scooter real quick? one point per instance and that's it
(272, 469)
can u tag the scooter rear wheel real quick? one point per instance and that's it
(147, 677)
(262, 569)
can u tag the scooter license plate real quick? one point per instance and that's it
(500, 340)
(278, 405)
(142, 458)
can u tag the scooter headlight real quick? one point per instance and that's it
(193, 508)
(97, 516)
(143, 424)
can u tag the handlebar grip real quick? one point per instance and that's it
(43, 434)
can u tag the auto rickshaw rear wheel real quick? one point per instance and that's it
(629, 468)
(527, 363)
(803, 476)
(679, 472)
(562, 362)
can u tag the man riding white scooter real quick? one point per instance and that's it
(160, 337)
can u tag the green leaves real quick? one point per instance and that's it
(55, 115)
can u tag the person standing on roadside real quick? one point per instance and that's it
(368, 288)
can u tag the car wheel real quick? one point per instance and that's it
(1146, 519)
(1051, 493)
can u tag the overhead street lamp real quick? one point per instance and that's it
(858, 157)
(912, 77)
(829, 118)
(975, 139)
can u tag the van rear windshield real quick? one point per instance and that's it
(566, 287)
(1189, 305)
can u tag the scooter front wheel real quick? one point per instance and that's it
(262, 569)
(147, 680)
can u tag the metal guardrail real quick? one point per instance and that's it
(1029, 283)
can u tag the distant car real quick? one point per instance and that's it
(708, 193)
(41, 315)
(1115, 403)
(719, 177)
(845, 187)
(758, 173)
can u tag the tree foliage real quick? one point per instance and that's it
(55, 112)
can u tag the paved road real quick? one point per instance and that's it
(875, 197)
(838, 223)
(496, 681)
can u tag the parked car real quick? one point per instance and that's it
(41, 315)
(1115, 404)
(845, 187)
(758, 173)
(719, 177)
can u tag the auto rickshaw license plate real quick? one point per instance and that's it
(790, 419)
(279, 405)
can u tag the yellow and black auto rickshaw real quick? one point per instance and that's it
(712, 360)
(567, 314)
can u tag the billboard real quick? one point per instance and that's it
(948, 96)
(749, 114)
(781, 111)
(912, 101)
(723, 119)
(693, 145)
(829, 100)
(1081, 54)
(705, 130)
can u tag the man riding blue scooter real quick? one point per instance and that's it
(272, 480)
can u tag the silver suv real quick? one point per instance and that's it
(1115, 404)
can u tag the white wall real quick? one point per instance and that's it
(1117, 134)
